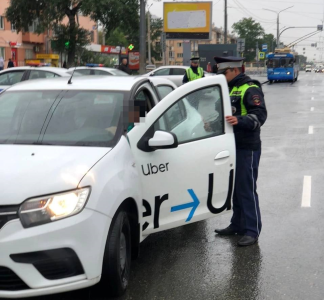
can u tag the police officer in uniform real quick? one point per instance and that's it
(249, 114)
(194, 72)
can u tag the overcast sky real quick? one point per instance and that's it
(304, 13)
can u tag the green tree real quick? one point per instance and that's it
(117, 38)
(253, 32)
(156, 31)
(111, 13)
(61, 35)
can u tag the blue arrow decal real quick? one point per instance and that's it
(192, 205)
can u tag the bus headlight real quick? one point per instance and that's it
(288, 73)
(47, 209)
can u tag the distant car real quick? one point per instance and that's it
(97, 70)
(173, 73)
(308, 68)
(12, 76)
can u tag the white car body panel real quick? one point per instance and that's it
(55, 169)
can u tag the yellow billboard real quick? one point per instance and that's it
(187, 20)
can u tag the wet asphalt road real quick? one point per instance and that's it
(191, 262)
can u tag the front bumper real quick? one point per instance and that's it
(282, 77)
(84, 233)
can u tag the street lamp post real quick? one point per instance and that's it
(278, 20)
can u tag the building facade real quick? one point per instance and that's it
(24, 46)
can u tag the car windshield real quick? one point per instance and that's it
(73, 118)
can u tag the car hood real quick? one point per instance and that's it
(30, 171)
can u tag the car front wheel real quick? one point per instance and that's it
(117, 257)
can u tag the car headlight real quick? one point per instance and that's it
(47, 209)
(288, 73)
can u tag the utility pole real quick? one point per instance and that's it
(149, 37)
(278, 35)
(225, 23)
(142, 37)
(257, 55)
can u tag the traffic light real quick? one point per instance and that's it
(67, 45)
(131, 47)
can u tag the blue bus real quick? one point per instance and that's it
(283, 66)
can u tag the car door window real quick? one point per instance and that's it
(10, 78)
(100, 72)
(83, 71)
(178, 71)
(197, 116)
(164, 90)
(38, 74)
(162, 72)
(144, 95)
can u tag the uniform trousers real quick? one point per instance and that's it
(246, 212)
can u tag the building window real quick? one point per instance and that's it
(92, 36)
(2, 52)
(1, 22)
(29, 54)
(179, 44)
(13, 27)
(179, 55)
(171, 54)
(34, 26)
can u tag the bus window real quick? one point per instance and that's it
(283, 63)
(291, 63)
(270, 63)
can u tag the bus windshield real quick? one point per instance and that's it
(282, 62)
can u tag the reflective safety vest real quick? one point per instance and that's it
(193, 76)
(237, 96)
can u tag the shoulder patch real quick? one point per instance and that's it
(256, 100)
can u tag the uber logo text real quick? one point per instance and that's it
(152, 169)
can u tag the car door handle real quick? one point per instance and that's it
(222, 154)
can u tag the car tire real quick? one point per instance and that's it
(117, 257)
(270, 81)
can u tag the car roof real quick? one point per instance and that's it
(92, 68)
(173, 66)
(113, 83)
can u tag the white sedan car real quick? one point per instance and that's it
(97, 71)
(173, 73)
(12, 76)
(79, 193)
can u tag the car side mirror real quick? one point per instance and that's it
(163, 140)
(152, 74)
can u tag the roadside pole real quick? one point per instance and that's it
(142, 37)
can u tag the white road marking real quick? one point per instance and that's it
(310, 130)
(307, 191)
(312, 108)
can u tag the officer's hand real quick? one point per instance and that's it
(232, 120)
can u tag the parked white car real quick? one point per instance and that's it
(173, 73)
(79, 194)
(97, 71)
(12, 76)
